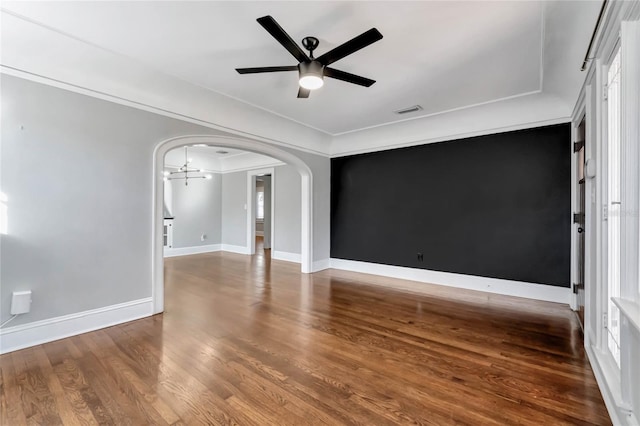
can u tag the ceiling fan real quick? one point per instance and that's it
(312, 70)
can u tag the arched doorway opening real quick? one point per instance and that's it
(306, 237)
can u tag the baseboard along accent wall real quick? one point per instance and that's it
(469, 282)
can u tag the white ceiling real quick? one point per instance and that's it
(209, 159)
(440, 55)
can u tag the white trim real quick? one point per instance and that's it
(235, 249)
(185, 251)
(605, 375)
(630, 310)
(433, 114)
(259, 233)
(630, 138)
(471, 282)
(39, 332)
(575, 255)
(211, 248)
(283, 255)
(455, 136)
(321, 265)
(261, 166)
(543, 30)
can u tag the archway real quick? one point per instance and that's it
(306, 238)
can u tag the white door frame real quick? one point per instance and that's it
(251, 210)
(157, 258)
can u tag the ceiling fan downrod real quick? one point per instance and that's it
(310, 43)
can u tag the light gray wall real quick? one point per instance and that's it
(78, 178)
(287, 212)
(287, 209)
(234, 214)
(321, 169)
(197, 210)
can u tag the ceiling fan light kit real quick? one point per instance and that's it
(311, 75)
(311, 71)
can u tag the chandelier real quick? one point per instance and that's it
(185, 172)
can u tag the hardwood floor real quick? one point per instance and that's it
(245, 340)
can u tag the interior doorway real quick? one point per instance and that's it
(263, 226)
(305, 203)
(260, 205)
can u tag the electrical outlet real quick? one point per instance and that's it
(420, 257)
(20, 302)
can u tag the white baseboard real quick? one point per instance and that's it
(260, 233)
(234, 249)
(470, 282)
(609, 386)
(38, 332)
(283, 255)
(321, 265)
(184, 251)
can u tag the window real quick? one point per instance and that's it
(260, 205)
(613, 205)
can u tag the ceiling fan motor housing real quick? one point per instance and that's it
(311, 68)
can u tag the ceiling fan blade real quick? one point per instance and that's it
(266, 69)
(353, 45)
(270, 24)
(348, 77)
(303, 93)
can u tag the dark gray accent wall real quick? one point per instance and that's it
(493, 206)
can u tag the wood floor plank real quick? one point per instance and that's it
(13, 412)
(37, 401)
(246, 340)
(63, 408)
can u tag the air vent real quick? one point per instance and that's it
(411, 109)
(222, 151)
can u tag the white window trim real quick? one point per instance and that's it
(621, 21)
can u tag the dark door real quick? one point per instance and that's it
(579, 219)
